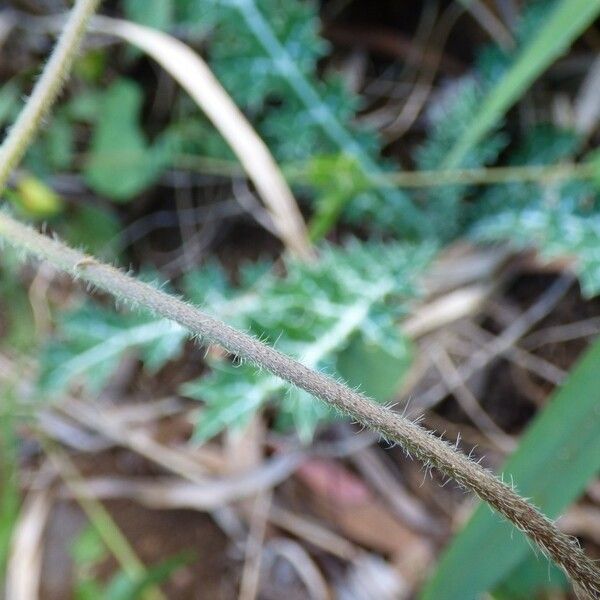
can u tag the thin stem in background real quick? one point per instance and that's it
(486, 176)
(46, 89)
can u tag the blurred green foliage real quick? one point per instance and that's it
(341, 314)
(89, 551)
(121, 163)
(338, 314)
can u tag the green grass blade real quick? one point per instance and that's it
(557, 456)
(565, 23)
(9, 476)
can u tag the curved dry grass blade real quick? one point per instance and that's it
(587, 102)
(24, 568)
(194, 76)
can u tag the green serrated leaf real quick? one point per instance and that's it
(231, 396)
(93, 342)
(351, 296)
(556, 232)
(450, 117)
(265, 52)
(348, 298)
(561, 219)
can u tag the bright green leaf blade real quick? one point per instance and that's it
(533, 575)
(556, 458)
(9, 477)
(565, 23)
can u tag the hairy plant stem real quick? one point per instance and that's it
(46, 89)
(417, 441)
(414, 439)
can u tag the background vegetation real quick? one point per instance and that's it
(442, 155)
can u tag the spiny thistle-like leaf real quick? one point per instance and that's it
(560, 218)
(92, 341)
(315, 312)
(239, 57)
(328, 313)
(265, 53)
(560, 222)
(450, 117)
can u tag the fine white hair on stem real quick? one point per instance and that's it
(415, 440)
